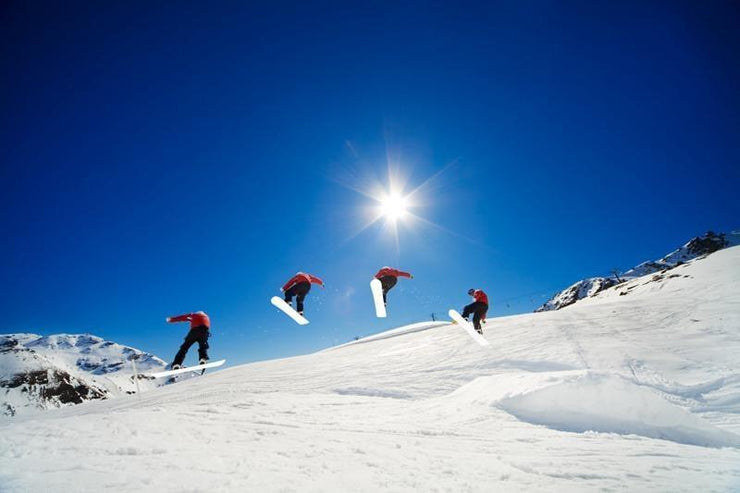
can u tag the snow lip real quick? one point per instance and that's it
(399, 331)
(582, 401)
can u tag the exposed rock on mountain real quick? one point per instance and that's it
(693, 249)
(38, 373)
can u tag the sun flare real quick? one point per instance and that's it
(393, 207)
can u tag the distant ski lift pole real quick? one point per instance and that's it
(136, 374)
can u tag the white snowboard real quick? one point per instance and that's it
(169, 373)
(454, 315)
(288, 310)
(377, 289)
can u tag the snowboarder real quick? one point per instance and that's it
(388, 278)
(477, 308)
(200, 326)
(299, 286)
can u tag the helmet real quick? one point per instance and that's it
(471, 291)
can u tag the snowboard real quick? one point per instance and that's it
(288, 310)
(454, 315)
(169, 373)
(377, 289)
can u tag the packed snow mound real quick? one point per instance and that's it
(589, 401)
(43, 372)
(695, 248)
(406, 329)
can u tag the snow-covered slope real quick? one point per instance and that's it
(616, 393)
(38, 373)
(694, 248)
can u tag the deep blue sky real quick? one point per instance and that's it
(159, 157)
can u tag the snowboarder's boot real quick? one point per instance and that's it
(202, 361)
(176, 367)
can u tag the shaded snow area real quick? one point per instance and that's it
(614, 393)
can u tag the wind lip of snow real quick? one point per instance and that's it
(580, 401)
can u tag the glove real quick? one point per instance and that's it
(169, 320)
(411, 277)
(282, 290)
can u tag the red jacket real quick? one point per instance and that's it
(196, 319)
(387, 271)
(302, 277)
(480, 296)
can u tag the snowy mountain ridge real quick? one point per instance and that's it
(697, 247)
(616, 393)
(44, 372)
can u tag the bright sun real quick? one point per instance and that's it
(393, 207)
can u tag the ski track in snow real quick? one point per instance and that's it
(617, 393)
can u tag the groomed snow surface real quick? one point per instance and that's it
(638, 390)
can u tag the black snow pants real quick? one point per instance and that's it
(478, 309)
(198, 334)
(387, 282)
(300, 290)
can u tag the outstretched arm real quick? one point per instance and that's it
(180, 318)
(318, 281)
(397, 273)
